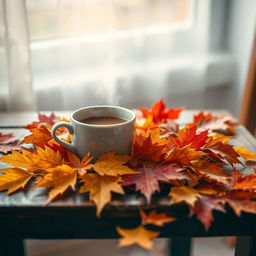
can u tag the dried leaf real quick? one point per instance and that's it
(154, 218)
(14, 179)
(147, 180)
(183, 156)
(39, 136)
(149, 147)
(140, 236)
(245, 154)
(41, 160)
(58, 179)
(9, 142)
(83, 165)
(203, 209)
(188, 136)
(100, 188)
(112, 165)
(184, 194)
(239, 206)
(211, 172)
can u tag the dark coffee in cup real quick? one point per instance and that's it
(103, 120)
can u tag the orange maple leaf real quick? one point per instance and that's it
(149, 146)
(100, 188)
(40, 136)
(58, 179)
(41, 160)
(245, 182)
(154, 218)
(188, 136)
(211, 172)
(112, 165)
(245, 154)
(160, 112)
(140, 236)
(183, 156)
(244, 205)
(81, 165)
(14, 179)
(184, 194)
(220, 151)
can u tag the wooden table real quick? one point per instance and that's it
(24, 216)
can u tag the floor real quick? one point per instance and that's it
(201, 247)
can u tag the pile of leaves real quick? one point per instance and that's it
(190, 162)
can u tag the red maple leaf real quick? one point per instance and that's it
(43, 120)
(147, 181)
(203, 209)
(160, 112)
(188, 136)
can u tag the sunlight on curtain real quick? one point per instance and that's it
(16, 92)
(111, 52)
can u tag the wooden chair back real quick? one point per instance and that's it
(248, 107)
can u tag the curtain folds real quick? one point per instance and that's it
(16, 92)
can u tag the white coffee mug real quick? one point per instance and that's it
(98, 139)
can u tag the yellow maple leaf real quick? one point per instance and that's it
(41, 160)
(184, 194)
(58, 179)
(140, 235)
(100, 188)
(112, 165)
(14, 179)
(245, 154)
(154, 218)
(81, 165)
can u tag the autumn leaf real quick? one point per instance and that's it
(245, 154)
(203, 209)
(213, 123)
(184, 194)
(154, 218)
(41, 160)
(147, 180)
(211, 172)
(245, 182)
(188, 136)
(9, 142)
(100, 188)
(160, 112)
(8, 138)
(140, 236)
(239, 206)
(223, 152)
(183, 156)
(58, 179)
(39, 136)
(81, 165)
(149, 146)
(112, 165)
(42, 120)
(14, 179)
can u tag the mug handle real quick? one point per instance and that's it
(70, 128)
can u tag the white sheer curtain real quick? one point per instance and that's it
(117, 52)
(16, 93)
(86, 52)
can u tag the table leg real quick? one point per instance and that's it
(245, 246)
(11, 247)
(179, 246)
